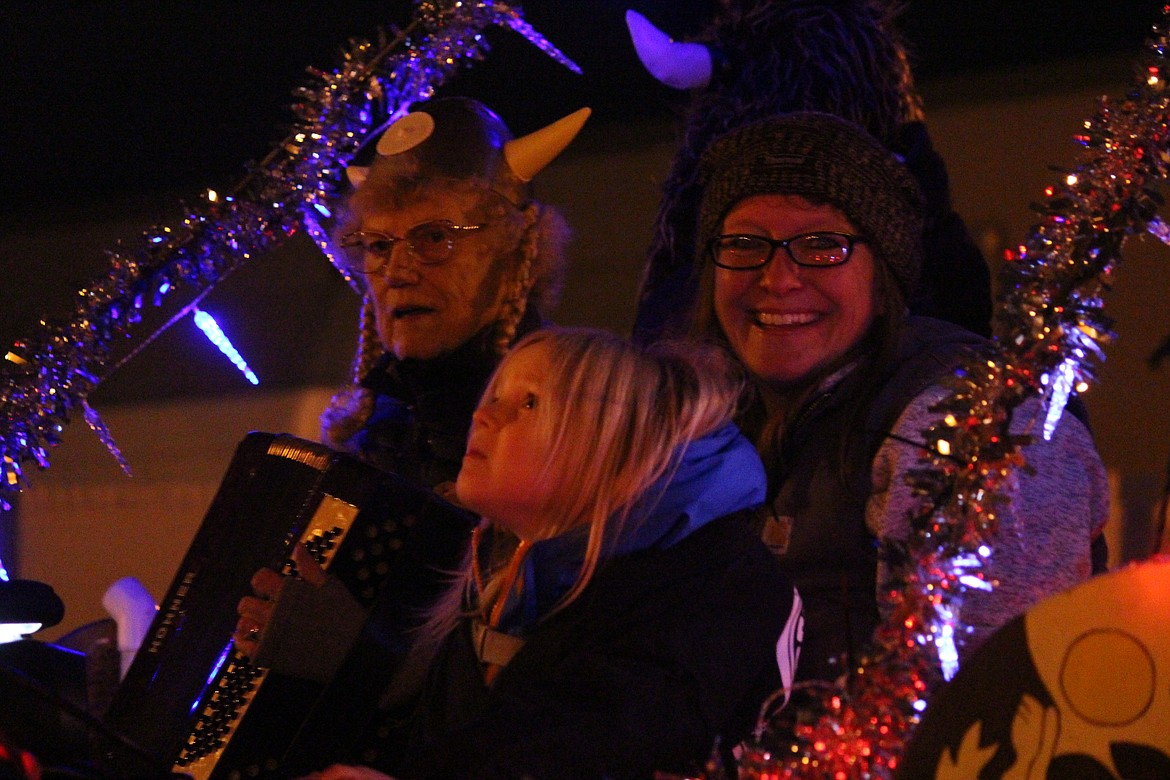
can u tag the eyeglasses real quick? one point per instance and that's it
(431, 243)
(742, 252)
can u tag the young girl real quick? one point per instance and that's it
(633, 619)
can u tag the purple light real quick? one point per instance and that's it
(216, 336)
(211, 677)
(1057, 399)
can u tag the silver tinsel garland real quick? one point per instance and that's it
(47, 377)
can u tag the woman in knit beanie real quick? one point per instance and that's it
(809, 239)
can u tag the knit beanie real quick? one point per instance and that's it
(825, 159)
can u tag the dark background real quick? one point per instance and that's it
(100, 97)
(115, 112)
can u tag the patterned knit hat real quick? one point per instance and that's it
(825, 159)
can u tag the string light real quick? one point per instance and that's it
(216, 336)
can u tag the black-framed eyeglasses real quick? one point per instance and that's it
(746, 252)
(431, 243)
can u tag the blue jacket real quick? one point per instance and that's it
(715, 475)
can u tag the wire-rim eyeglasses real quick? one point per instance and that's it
(430, 243)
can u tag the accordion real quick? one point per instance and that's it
(191, 702)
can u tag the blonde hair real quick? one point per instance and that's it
(616, 416)
(532, 255)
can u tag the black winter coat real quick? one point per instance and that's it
(664, 653)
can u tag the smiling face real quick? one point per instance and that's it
(784, 321)
(504, 469)
(423, 311)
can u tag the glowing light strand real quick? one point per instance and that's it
(1060, 385)
(47, 376)
(216, 336)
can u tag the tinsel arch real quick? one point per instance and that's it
(1050, 328)
(47, 377)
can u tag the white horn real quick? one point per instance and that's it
(527, 156)
(678, 65)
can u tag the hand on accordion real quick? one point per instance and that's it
(256, 611)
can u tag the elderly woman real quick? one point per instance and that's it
(809, 232)
(457, 260)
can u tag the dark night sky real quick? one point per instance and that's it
(110, 109)
(100, 97)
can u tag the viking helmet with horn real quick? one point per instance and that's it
(461, 138)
